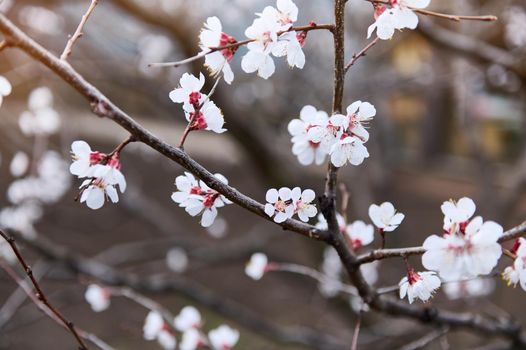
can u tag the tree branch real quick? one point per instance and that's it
(39, 293)
(78, 33)
(104, 108)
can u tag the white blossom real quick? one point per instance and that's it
(457, 214)
(209, 117)
(285, 13)
(279, 204)
(385, 217)
(155, 328)
(516, 273)
(211, 36)
(303, 206)
(98, 297)
(223, 337)
(19, 164)
(303, 147)
(153, 324)
(189, 91)
(264, 33)
(84, 159)
(399, 15)
(464, 253)
(419, 285)
(197, 198)
(177, 259)
(360, 234)
(167, 340)
(40, 118)
(95, 192)
(289, 45)
(283, 204)
(257, 266)
(5, 88)
(189, 317)
(191, 340)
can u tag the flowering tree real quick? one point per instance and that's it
(462, 256)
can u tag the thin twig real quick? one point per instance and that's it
(361, 53)
(315, 274)
(456, 18)
(356, 334)
(29, 292)
(425, 340)
(39, 293)
(78, 33)
(143, 301)
(19, 296)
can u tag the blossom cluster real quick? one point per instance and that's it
(198, 199)
(159, 327)
(269, 35)
(200, 112)
(342, 137)
(101, 173)
(282, 204)
(395, 15)
(467, 248)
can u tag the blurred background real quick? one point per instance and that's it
(450, 123)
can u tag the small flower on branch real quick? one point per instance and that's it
(385, 217)
(516, 273)
(468, 248)
(102, 172)
(223, 338)
(156, 328)
(197, 198)
(188, 318)
(257, 266)
(360, 234)
(419, 285)
(303, 147)
(211, 36)
(398, 15)
(98, 297)
(283, 204)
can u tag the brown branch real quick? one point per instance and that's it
(361, 53)
(38, 291)
(29, 292)
(425, 340)
(354, 344)
(78, 33)
(381, 254)
(456, 18)
(107, 275)
(103, 107)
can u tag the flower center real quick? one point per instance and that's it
(198, 121)
(229, 53)
(194, 98)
